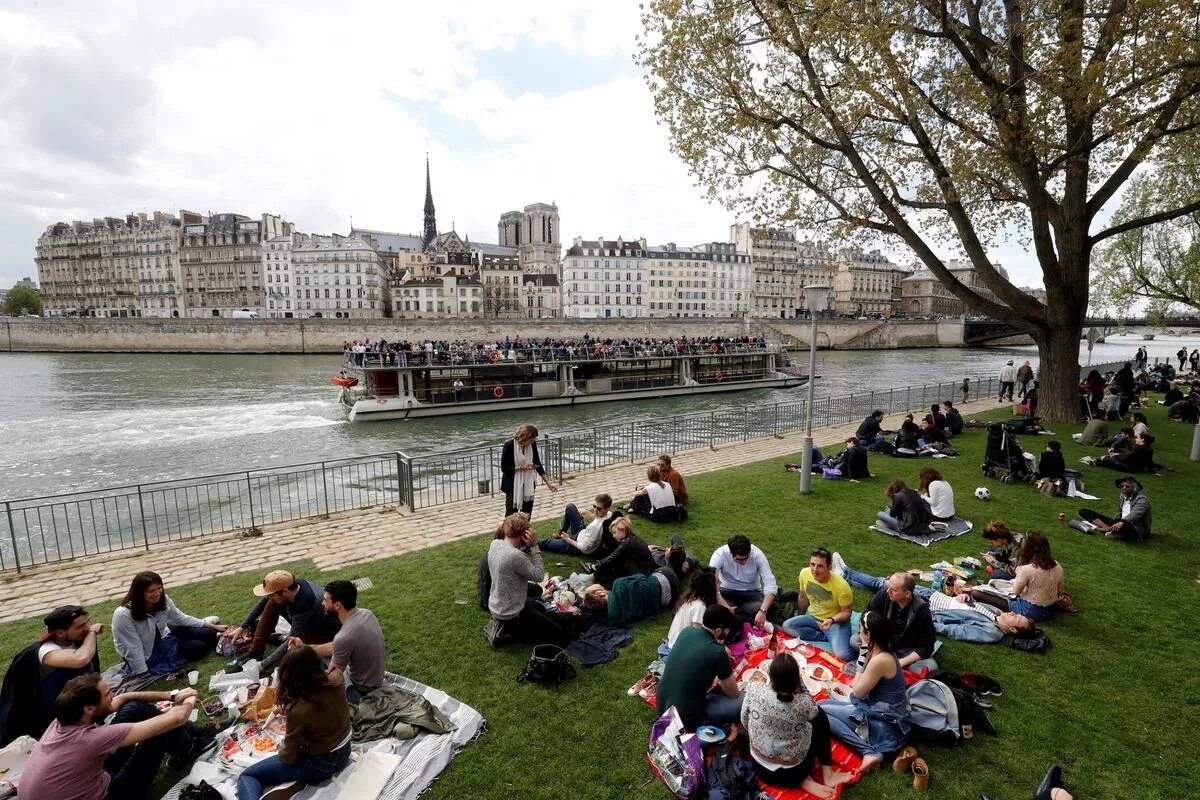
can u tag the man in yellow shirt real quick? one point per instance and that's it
(828, 601)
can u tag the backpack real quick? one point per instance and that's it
(199, 791)
(730, 777)
(885, 448)
(548, 665)
(940, 715)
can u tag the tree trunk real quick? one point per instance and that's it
(1058, 392)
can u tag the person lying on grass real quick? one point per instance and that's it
(633, 597)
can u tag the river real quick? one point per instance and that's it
(70, 422)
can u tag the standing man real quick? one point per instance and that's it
(697, 661)
(296, 600)
(828, 602)
(672, 476)
(1024, 376)
(1008, 378)
(1182, 355)
(357, 654)
(80, 758)
(748, 587)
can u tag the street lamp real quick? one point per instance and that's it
(815, 297)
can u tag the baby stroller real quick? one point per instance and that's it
(1004, 458)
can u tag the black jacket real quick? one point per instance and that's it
(912, 627)
(910, 511)
(1051, 465)
(23, 708)
(632, 556)
(868, 429)
(854, 463)
(508, 464)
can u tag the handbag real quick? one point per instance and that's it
(548, 666)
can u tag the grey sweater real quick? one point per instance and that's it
(134, 638)
(512, 571)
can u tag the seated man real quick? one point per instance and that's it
(357, 655)
(1133, 513)
(852, 461)
(633, 597)
(672, 476)
(299, 602)
(897, 599)
(952, 612)
(631, 557)
(697, 660)
(1186, 410)
(40, 671)
(748, 587)
(1052, 464)
(81, 757)
(1095, 433)
(514, 612)
(954, 420)
(870, 433)
(579, 534)
(828, 602)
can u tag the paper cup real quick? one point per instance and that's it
(193, 677)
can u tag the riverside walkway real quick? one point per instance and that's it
(371, 534)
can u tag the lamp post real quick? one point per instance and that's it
(815, 297)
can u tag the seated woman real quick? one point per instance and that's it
(908, 512)
(936, 491)
(788, 731)
(631, 556)
(1038, 582)
(655, 500)
(1093, 387)
(1140, 423)
(1110, 406)
(1003, 548)
(876, 720)
(931, 435)
(1139, 459)
(908, 437)
(703, 592)
(317, 743)
(1052, 464)
(152, 635)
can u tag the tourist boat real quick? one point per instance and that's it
(419, 384)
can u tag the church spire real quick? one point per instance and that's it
(430, 218)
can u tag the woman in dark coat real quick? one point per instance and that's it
(908, 513)
(519, 463)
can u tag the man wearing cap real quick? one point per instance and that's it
(296, 600)
(1133, 514)
(1008, 380)
(39, 672)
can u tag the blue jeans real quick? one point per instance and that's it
(722, 708)
(1027, 609)
(272, 772)
(573, 523)
(844, 718)
(872, 583)
(808, 628)
(745, 604)
(871, 442)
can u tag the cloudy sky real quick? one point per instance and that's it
(324, 111)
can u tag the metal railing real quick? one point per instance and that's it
(45, 530)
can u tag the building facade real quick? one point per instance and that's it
(111, 267)
(220, 260)
(923, 294)
(604, 278)
(535, 234)
(338, 276)
(782, 266)
(866, 284)
(277, 275)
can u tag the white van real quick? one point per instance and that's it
(245, 313)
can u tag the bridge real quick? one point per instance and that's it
(981, 331)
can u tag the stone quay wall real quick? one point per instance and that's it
(29, 335)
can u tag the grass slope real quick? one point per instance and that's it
(1114, 700)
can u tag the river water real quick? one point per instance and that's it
(76, 421)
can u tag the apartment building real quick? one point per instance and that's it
(604, 278)
(923, 294)
(782, 266)
(338, 276)
(866, 284)
(220, 260)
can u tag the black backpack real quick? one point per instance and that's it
(547, 666)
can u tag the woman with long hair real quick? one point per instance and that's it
(152, 635)
(702, 592)
(937, 492)
(907, 512)
(520, 464)
(655, 500)
(1038, 582)
(788, 731)
(1003, 548)
(876, 720)
(317, 743)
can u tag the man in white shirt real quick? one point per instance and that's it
(1008, 380)
(748, 586)
(578, 534)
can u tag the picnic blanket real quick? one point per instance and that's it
(420, 759)
(955, 526)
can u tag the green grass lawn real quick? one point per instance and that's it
(1114, 700)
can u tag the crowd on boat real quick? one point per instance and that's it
(435, 352)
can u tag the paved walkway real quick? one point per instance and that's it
(359, 536)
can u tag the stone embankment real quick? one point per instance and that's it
(29, 335)
(361, 536)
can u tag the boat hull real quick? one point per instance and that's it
(386, 408)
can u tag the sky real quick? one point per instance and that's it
(324, 112)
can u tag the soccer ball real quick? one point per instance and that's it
(983, 494)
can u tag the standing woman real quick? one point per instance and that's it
(317, 743)
(787, 731)
(152, 635)
(937, 492)
(876, 720)
(520, 465)
(1038, 582)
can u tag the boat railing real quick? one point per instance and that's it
(548, 355)
(46, 530)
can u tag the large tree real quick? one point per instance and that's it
(1157, 266)
(944, 123)
(22, 300)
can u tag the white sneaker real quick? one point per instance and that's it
(838, 564)
(213, 620)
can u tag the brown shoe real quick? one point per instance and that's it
(904, 760)
(920, 771)
(284, 792)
